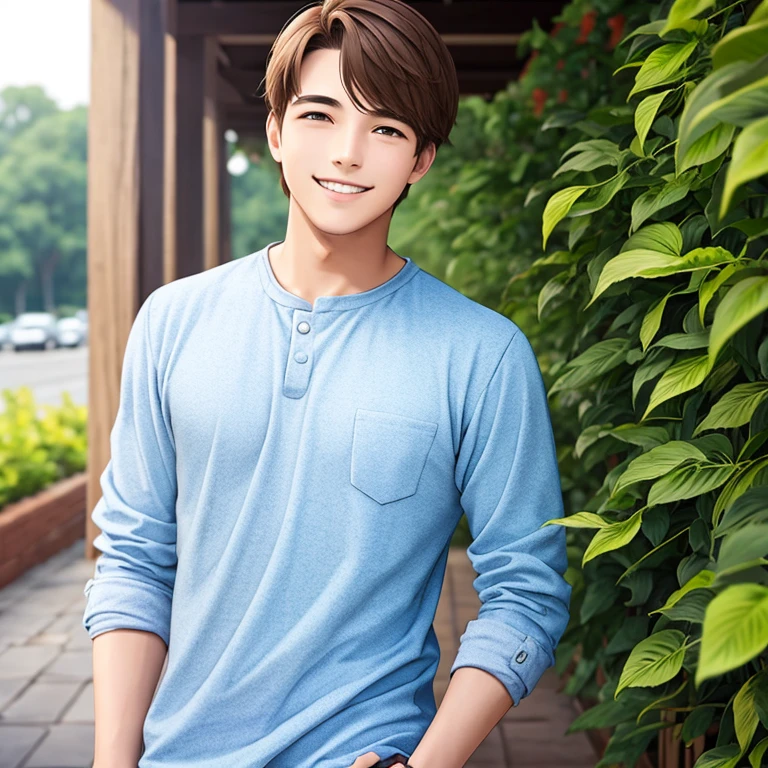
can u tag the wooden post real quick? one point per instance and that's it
(125, 217)
(187, 144)
(225, 201)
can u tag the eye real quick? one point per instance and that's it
(387, 128)
(381, 127)
(308, 114)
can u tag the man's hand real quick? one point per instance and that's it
(369, 759)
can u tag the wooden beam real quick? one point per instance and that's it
(188, 145)
(248, 83)
(169, 197)
(125, 212)
(268, 17)
(225, 198)
(458, 39)
(211, 156)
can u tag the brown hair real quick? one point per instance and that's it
(389, 53)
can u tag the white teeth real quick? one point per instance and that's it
(346, 189)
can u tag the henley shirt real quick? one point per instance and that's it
(284, 482)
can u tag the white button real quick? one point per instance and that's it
(300, 357)
(303, 327)
(521, 657)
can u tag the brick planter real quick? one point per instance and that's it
(35, 528)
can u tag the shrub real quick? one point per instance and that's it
(36, 451)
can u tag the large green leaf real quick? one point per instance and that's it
(656, 463)
(605, 193)
(703, 578)
(745, 719)
(750, 507)
(709, 288)
(580, 520)
(749, 161)
(592, 363)
(660, 237)
(746, 300)
(727, 756)
(651, 28)
(645, 114)
(590, 155)
(689, 481)
(652, 264)
(557, 208)
(735, 94)
(652, 320)
(662, 66)
(756, 755)
(707, 147)
(737, 486)
(699, 340)
(745, 545)
(613, 537)
(683, 376)
(645, 437)
(653, 661)
(660, 196)
(735, 407)
(682, 12)
(735, 630)
(747, 43)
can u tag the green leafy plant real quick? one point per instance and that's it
(665, 214)
(35, 450)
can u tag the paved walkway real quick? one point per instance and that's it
(46, 676)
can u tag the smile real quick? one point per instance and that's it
(343, 189)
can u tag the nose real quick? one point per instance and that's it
(348, 153)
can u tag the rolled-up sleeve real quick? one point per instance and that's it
(507, 473)
(133, 581)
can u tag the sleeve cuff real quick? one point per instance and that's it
(118, 603)
(510, 655)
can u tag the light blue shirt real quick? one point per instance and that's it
(284, 483)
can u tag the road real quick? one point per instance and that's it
(47, 373)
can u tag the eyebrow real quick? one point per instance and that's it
(329, 101)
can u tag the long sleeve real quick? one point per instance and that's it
(507, 473)
(134, 577)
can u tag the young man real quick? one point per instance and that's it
(299, 432)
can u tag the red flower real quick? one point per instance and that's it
(560, 64)
(539, 100)
(562, 97)
(586, 26)
(616, 24)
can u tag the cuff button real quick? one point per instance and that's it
(521, 657)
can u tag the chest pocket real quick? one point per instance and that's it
(389, 452)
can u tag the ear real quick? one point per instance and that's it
(424, 163)
(273, 137)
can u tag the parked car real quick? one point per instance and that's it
(5, 334)
(34, 330)
(70, 332)
(82, 314)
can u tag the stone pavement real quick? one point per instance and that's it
(46, 676)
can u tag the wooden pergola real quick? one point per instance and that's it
(168, 78)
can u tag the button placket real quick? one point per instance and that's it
(299, 364)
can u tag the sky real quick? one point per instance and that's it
(48, 43)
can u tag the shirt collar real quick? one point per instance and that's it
(328, 303)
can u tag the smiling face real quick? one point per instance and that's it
(335, 140)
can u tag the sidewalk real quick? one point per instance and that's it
(46, 686)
